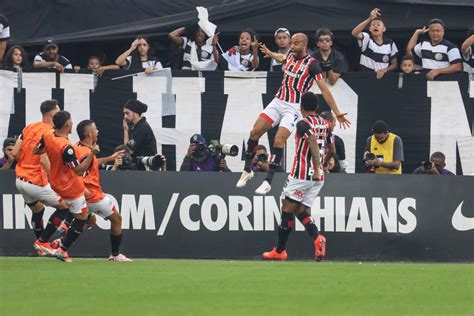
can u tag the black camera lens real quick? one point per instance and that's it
(201, 147)
(262, 158)
(427, 165)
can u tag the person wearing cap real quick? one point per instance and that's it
(8, 160)
(383, 151)
(198, 157)
(50, 58)
(282, 40)
(332, 62)
(137, 133)
(438, 55)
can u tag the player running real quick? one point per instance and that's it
(32, 174)
(301, 70)
(97, 201)
(305, 180)
(66, 180)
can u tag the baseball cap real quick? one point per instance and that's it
(282, 30)
(50, 43)
(197, 139)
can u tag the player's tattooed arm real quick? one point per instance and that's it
(314, 148)
(16, 148)
(328, 97)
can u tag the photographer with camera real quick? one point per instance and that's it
(383, 151)
(434, 166)
(137, 133)
(260, 161)
(207, 158)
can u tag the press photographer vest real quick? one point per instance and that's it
(385, 151)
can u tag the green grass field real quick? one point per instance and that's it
(44, 286)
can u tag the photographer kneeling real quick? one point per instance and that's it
(124, 161)
(202, 158)
(434, 166)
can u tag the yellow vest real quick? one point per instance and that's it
(384, 151)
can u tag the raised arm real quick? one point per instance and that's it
(280, 58)
(328, 97)
(255, 59)
(357, 31)
(414, 39)
(122, 59)
(176, 37)
(467, 44)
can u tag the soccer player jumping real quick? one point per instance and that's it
(300, 72)
(305, 180)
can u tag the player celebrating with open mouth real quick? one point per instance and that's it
(301, 70)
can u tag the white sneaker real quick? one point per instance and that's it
(264, 188)
(120, 258)
(244, 178)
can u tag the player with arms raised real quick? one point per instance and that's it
(305, 180)
(300, 72)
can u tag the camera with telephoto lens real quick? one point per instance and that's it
(151, 162)
(219, 150)
(263, 158)
(427, 165)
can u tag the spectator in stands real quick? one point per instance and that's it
(438, 55)
(16, 57)
(434, 166)
(8, 160)
(198, 55)
(333, 166)
(332, 62)
(407, 65)
(4, 35)
(139, 57)
(260, 161)
(243, 57)
(379, 54)
(467, 47)
(137, 133)
(283, 41)
(95, 65)
(198, 157)
(339, 147)
(383, 151)
(50, 58)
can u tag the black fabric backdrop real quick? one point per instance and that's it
(406, 110)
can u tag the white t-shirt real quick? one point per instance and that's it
(145, 64)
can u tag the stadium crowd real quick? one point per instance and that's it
(428, 53)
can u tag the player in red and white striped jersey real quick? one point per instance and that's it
(305, 180)
(300, 72)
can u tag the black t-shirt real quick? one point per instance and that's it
(145, 141)
(340, 149)
(335, 61)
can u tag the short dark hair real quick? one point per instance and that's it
(380, 127)
(438, 154)
(324, 31)
(94, 57)
(379, 19)
(408, 57)
(437, 21)
(60, 119)
(81, 128)
(309, 101)
(262, 147)
(48, 106)
(10, 141)
(327, 115)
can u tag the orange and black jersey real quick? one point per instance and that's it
(91, 176)
(62, 157)
(28, 166)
